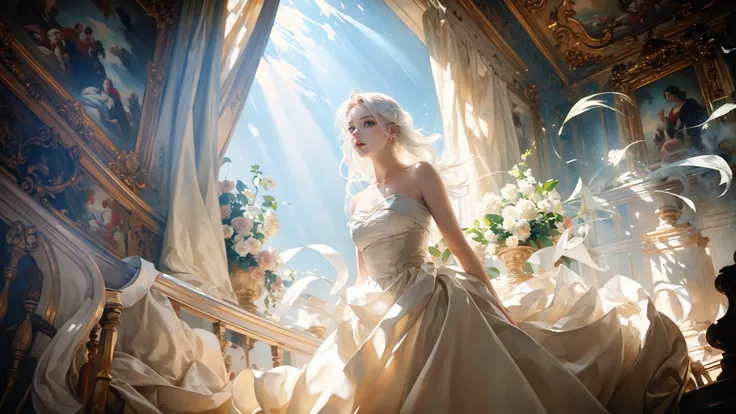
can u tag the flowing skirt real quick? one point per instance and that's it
(433, 340)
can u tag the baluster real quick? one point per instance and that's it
(23, 338)
(722, 334)
(22, 240)
(277, 355)
(219, 331)
(110, 320)
(87, 372)
(247, 343)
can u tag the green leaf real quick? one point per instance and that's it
(550, 185)
(240, 186)
(242, 199)
(274, 206)
(494, 218)
(434, 251)
(224, 199)
(266, 204)
(540, 189)
(545, 241)
(493, 272)
(226, 160)
(446, 255)
(269, 198)
(259, 236)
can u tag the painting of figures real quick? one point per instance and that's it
(625, 17)
(97, 51)
(49, 171)
(667, 107)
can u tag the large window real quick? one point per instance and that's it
(320, 51)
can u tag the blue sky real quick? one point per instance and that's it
(320, 51)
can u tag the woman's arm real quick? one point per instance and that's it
(361, 276)
(435, 196)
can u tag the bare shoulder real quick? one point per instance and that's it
(425, 174)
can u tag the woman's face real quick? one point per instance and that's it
(670, 97)
(367, 135)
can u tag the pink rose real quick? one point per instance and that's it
(267, 259)
(257, 274)
(225, 186)
(243, 225)
(225, 212)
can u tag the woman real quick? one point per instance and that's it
(417, 338)
(676, 130)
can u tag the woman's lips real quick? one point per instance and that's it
(359, 145)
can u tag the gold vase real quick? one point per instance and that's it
(515, 259)
(247, 288)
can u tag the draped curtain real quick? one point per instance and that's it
(247, 29)
(476, 114)
(193, 247)
(217, 47)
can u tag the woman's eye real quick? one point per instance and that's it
(351, 129)
(369, 124)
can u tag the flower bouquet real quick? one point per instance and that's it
(247, 225)
(526, 216)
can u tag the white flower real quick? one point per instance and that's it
(267, 182)
(509, 224)
(250, 195)
(526, 210)
(512, 241)
(242, 248)
(253, 244)
(491, 250)
(527, 188)
(491, 204)
(510, 193)
(531, 179)
(239, 238)
(510, 211)
(544, 206)
(523, 230)
(227, 231)
(535, 197)
(490, 236)
(253, 210)
(554, 196)
(557, 207)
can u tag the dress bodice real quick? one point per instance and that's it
(393, 235)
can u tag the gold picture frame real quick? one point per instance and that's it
(131, 166)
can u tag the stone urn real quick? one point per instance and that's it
(515, 259)
(248, 286)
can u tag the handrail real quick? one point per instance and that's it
(231, 317)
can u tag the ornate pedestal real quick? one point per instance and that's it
(515, 259)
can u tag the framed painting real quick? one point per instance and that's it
(107, 58)
(37, 151)
(528, 127)
(671, 100)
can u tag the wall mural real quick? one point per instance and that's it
(98, 52)
(50, 172)
(626, 17)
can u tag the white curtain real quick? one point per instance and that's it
(193, 248)
(476, 113)
(248, 27)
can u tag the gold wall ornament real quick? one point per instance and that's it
(129, 169)
(39, 177)
(569, 31)
(577, 59)
(161, 10)
(156, 77)
(247, 289)
(532, 94)
(73, 113)
(656, 56)
(142, 241)
(535, 5)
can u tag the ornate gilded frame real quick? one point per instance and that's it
(660, 58)
(145, 224)
(554, 27)
(132, 167)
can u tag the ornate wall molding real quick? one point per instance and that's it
(161, 10)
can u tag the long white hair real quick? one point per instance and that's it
(413, 145)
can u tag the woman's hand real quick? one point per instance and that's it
(661, 115)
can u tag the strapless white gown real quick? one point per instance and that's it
(419, 338)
